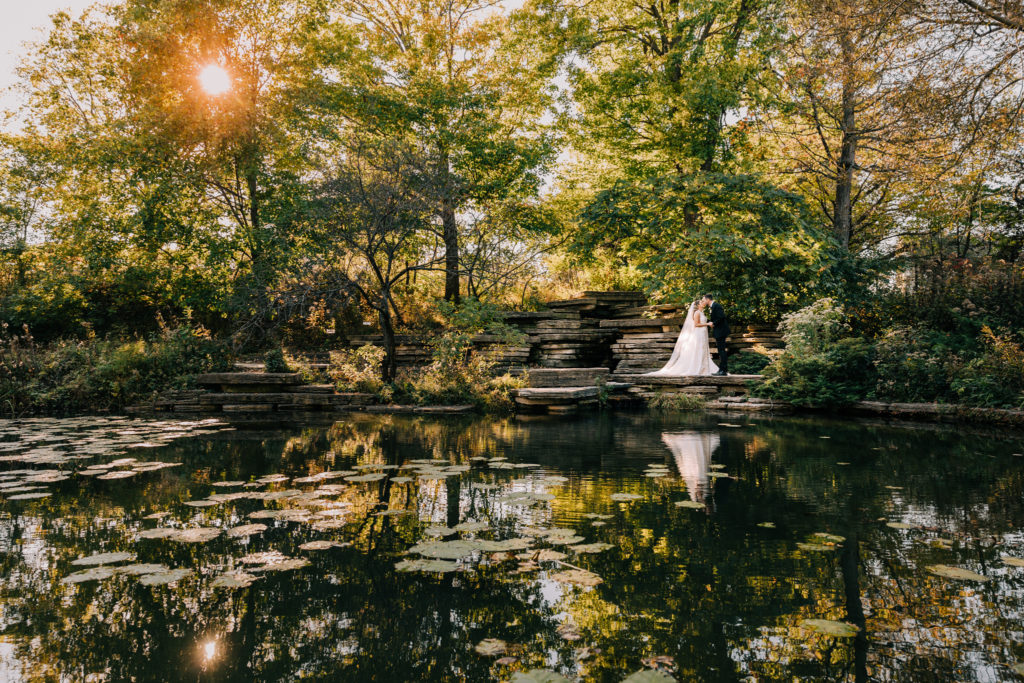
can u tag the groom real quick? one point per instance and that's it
(720, 328)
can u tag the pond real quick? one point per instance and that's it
(385, 548)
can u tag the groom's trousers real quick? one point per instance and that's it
(723, 354)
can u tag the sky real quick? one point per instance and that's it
(21, 21)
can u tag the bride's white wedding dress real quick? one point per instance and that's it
(692, 355)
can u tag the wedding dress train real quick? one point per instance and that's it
(691, 355)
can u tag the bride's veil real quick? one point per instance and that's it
(684, 334)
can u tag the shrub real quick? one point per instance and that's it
(815, 328)
(911, 367)
(676, 403)
(358, 369)
(274, 361)
(995, 378)
(840, 376)
(750, 362)
(93, 374)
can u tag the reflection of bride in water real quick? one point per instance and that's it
(692, 452)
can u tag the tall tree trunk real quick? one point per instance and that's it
(842, 217)
(450, 230)
(451, 252)
(387, 328)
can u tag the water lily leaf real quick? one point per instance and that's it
(654, 474)
(120, 474)
(283, 565)
(29, 496)
(1013, 561)
(483, 487)
(590, 548)
(426, 566)
(199, 535)
(956, 573)
(228, 484)
(900, 525)
(815, 547)
(1018, 668)
(322, 545)
(246, 530)
(504, 546)
(142, 568)
(568, 632)
(445, 550)
(439, 531)
(625, 497)
(92, 574)
(718, 475)
(372, 476)
(401, 480)
(538, 676)
(596, 515)
(164, 578)
(159, 532)
(691, 504)
(767, 525)
(829, 538)
(472, 526)
(391, 512)
(545, 555)
(234, 580)
(838, 629)
(102, 558)
(577, 577)
(649, 676)
(204, 503)
(491, 647)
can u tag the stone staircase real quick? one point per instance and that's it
(256, 392)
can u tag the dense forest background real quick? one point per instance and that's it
(369, 160)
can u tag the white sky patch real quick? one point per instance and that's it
(24, 22)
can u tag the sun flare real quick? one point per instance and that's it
(215, 80)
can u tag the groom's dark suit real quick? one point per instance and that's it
(721, 331)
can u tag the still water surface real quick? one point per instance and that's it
(594, 548)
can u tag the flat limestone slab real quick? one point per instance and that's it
(249, 378)
(613, 323)
(558, 393)
(689, 380)
(566, 377)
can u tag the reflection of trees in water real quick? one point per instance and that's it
(721, 595)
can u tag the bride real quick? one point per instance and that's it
(692, 354)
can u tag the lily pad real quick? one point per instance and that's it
(816, 547)
(322, 545)
(159, 532)
(767, 525)
(246, 530)
(204, 503)
(577, 577)
(283, 565)
(956, 573)
(142, 568)
(538, 676)
(164, 578)
(838, 629)
(472, 526)
(445, 550)
(234, 580)
(426, 566)
(373, 476)
(29, 496)
(103, 558)
(900, 525)
(828, 538)
(199, 535)
(649, 676)
(92, 574)
(625, 497)
(228, 484)
(691, 504)
(1013, 561)
(491, 647)
(590, 548)
(120, 474)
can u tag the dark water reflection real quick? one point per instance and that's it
(721, 590)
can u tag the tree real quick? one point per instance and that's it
(374, 206)
(468, 101)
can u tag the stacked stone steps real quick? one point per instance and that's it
(257, 392)
(711, 387)
(566, 391)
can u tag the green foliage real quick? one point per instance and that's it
(821, 366)
(738, 236)
(676, 403)
(750, 362)
(274, 361)
(911, 366)
(995, 378)
(358, 369)
(94, 374)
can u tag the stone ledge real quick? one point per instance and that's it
(249, 378)
(942, 412)
(688, 380)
